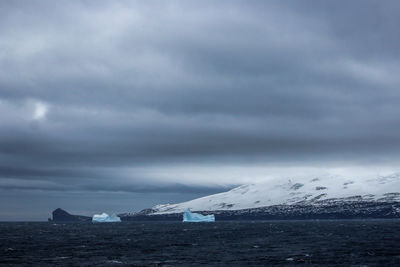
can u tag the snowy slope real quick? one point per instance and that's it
(299, 191)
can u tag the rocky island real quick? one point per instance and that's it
(60, 215)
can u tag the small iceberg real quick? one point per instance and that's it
(104, 217)
(189, 216)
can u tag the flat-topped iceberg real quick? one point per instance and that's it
(104, 217)
(189, 216)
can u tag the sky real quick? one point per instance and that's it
(118, 106)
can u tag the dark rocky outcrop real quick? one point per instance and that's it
(60, 215)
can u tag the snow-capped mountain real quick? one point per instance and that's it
(310, 191)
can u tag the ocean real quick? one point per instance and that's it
(309, 243)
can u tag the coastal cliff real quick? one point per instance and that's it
(60, 215)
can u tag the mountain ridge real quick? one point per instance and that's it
(300, 192)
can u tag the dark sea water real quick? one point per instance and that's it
(341, 243)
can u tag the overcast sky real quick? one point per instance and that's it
(120, 105)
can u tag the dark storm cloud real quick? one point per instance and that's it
(88, 89)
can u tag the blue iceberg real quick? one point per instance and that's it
(189, 216)
(104, 217)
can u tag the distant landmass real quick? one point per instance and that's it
(60, 215)
(355, 210)
(310, 198)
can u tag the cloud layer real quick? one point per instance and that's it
(130, 96)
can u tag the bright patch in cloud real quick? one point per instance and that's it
(40, 111)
